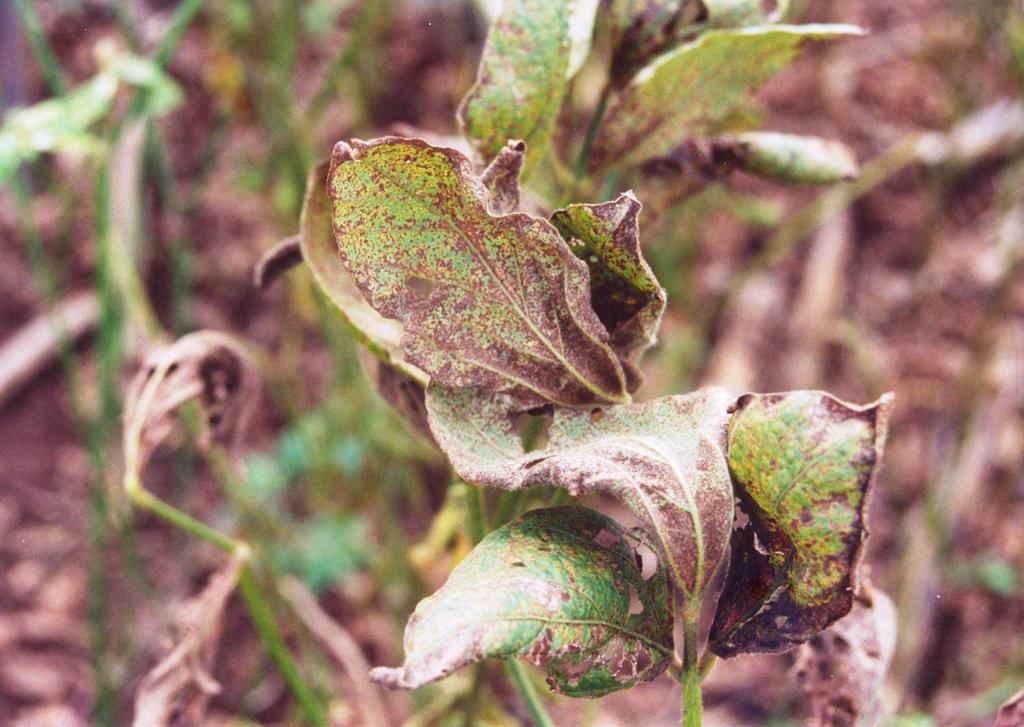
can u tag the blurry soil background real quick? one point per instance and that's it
(907, 280)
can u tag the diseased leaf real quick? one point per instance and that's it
(641, 29)
(623, 290)
(664, 459)
(501, 177)
(803, 463)
(565, 588)
(840, 670)
(734, 13)
(495, 302)
(319, 250)
(533, 49)
(690, 89)
(789, 157)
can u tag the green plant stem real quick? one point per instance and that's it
(183, 17)
(476, 518)
(588, 140)
(41, 50)
(141, 497)
(531, 700)
(259, 611)
(264, 621)
(692, 702)
(349, 52)
(473, 696)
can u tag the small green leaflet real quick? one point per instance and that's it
(533, 49)
(62, 124)
(665, 459)
(497, 302)
(688, 90)
(565, 588)
(803, 463)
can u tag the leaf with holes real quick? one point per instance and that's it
(840, 671)
(533, 49)
(803, 464)
(565, 588)
(623, 290)
(499, 303)
(690, 89)
(665, 459)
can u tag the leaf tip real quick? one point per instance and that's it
(390, 677)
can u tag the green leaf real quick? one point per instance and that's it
(803, 464)
(623, 290)
(789, 157)
(533, 49)
(692, 88)
(63, 124)
(561, 588)
(319, 250)
(499, 303)
(665, 459)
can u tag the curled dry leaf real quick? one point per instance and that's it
(840, 671)
(532, 50)
(623, 290)
(499, 303)
(691, 89)
(179, 687)
(501, 177)
(564, 588)
(803, 464)
(208, 366)
(277, 261)
(789, 157)
(1011, 714)
(665, 459)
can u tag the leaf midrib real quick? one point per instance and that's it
(510, 298)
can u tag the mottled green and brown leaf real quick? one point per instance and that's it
(803, 464)
(692, 88)
(496, 302)
(320, 252)
(532, 50)
(564, 588)
(664, 459)
(641, 29)
(623, 290)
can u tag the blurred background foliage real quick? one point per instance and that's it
(151, 150)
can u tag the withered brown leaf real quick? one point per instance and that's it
(840, 671)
